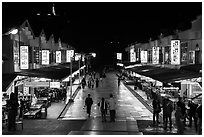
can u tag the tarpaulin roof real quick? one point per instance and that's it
(58, 72)
(165, 74)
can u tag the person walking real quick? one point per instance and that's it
(156, 109)
(168, 114)
(83, 82)
(112, 107)
(88, 104)
(179, 123)
(103, 107)
(118, 81)
(97, 82)
(12, 106)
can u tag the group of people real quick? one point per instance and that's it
(181, 114)
(92, 80)
(103, 106)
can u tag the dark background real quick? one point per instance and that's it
(92, 26)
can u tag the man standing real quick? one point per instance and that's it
(112, 106)
(168, 114)
(88, 103)
(103, 107)
(156, 109)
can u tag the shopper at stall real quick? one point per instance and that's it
(88, 104)
(179, 123)
(112, 107)
(103, 108)
(181, 104)
(199, 116)
(168, 114)
(192, 113)
(156, 109)
(12, 106)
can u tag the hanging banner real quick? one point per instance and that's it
(155, 55)
(119, 56)
(45, 57)
(70, 53)
(24, 62)
(132, 55)
(143, 56)
(54, 84)
(58, 57)
(175, 52)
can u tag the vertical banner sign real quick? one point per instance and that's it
(175, 52)
(58, 57)
(83, 58)
(132, 55)
(155, 55)
(45, 57)
(70, 53)
(119, 56)
(77, 56)
(24, 57)
(143, 56)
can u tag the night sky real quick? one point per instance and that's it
(92, 26)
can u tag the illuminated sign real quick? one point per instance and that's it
(77, 56)
(119, 56)
(37, 84)
(58, 57)
(24, 64)
(83, 58)
(45, 57)
(175, 52)
(54, 84)
(70, 53)
(25, 90)
(155, 55)
(143, 56)
(132, 55)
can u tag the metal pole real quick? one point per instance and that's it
(71, 100)
(79, 70)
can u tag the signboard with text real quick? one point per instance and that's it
(132, 55)
(70, 53)
(24, 61)
(155, 55)
(54, 84)
(143, 56)
(119, 56)
(45, 57)
(58, 57)
(175, 52)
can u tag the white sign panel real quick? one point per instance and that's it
(54, 84)
(70, 53)
(155, 55)
(132, 55)
(83, 58)
(45, 57)
(36, 84)
(119, 56)
(25, 90)
(58, 56)
(77, 56)
(175, 52)
(24, 62)
(143, 56)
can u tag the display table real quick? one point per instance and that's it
(34, 112)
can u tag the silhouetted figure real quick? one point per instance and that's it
(192, 114)
(118, 81)
(168, 114)
(103, 107)
(156, 109)
(12, 106)
(199, 115)
(83, 82)
(181, 104)
(179, 123)
(88, 103)
(97, 82)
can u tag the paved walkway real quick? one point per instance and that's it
(129, 109)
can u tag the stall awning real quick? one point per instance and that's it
(6, 80)
(165, 74)
(57, 72)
